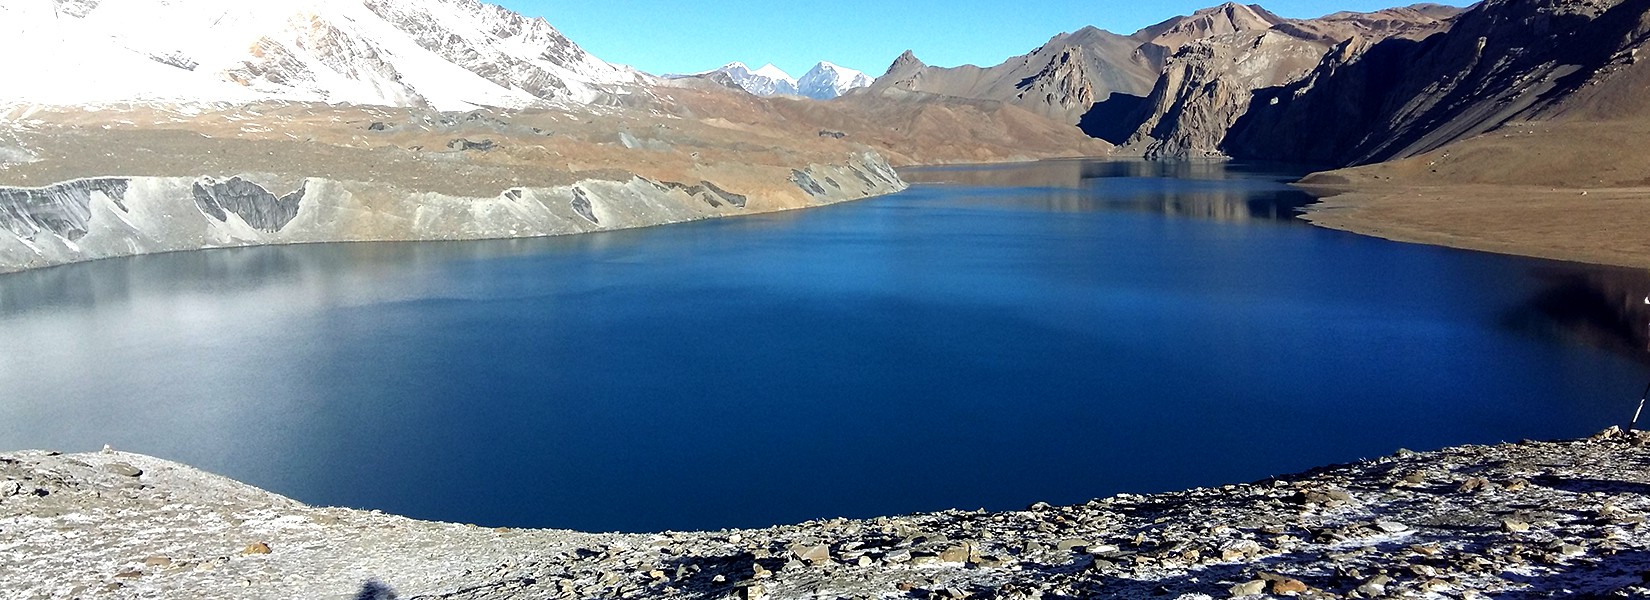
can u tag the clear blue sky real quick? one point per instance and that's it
(677, 37)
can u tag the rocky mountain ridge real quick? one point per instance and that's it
(1170, 90)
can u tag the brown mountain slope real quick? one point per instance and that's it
(1505, 61)
(1059, 80)
(1209, 83)
(1169, 90)
(1526, 129)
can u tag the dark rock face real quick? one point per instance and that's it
(64, 209)
(250, 201)
(1504, 60)
(581, 205)
(712, 194)
(807, 183)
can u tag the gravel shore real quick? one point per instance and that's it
(1531, 519)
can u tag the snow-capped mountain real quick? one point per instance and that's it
(826, 81)
(823, 82)
(449, 54)
(766, 81)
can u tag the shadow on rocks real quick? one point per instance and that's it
(373, 590)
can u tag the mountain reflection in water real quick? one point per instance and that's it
(1215, 190)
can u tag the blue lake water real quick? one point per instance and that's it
(1004, 335)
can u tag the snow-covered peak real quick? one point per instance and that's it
(826, 81)
(450, 54)
(766, 81)
(773, 72)
(823, 82)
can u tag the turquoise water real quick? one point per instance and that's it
(1052, 332)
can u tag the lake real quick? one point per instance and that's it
(994, 337)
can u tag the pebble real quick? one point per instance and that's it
(256, 548)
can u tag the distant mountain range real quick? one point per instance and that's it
(823, 82)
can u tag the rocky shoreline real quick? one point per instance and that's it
(1531, 519)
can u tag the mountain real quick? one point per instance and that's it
(1067, 76)
(1559, 62)
(823, 82)
(1061, 79)
(1171, 89)
(826, 81)
(766, 81)
(447, 54)
(1208, 83)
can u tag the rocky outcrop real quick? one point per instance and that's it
(90, 219)
(249, 201)
(1212, 79)
(63, 210)
(1208, 85)
(1533, 519)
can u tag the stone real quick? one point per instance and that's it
(133, 574)
(814, 554)
(1391, 526)
(1374, 586)
(1072, 545)
(157, 561)
(1288, 587)
(123, 469)
(752, 591)
(256, 548)
(962, 553)
(1251, 588)
(1473, 484)
(1514, 526)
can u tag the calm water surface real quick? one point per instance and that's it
(1051, 332)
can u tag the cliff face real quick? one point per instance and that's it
(1207, 86)
(1210, 82)
(89, 219)
(1504, 61)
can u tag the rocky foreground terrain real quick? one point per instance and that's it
(1531, 519)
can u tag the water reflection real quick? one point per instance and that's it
(1215, 190)
(1598, 306)
(350, 273)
